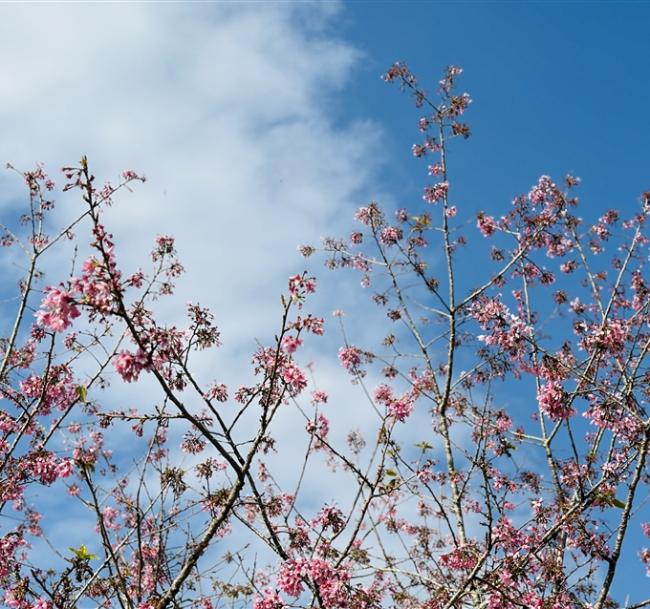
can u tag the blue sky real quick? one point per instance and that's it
(265, 125)
(557, 87)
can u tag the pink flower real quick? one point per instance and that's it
(402, 215)
(390, 235)
(370, 216)
(553, 401)
(290, 578)
(217, 392)
(269, 600)
(486, 224)
(136, 280)
(290, 343)
(383, 394)
(311, 324)
(319, 428)
(45, 468)
(64, 468)
(300, 286)
(129, 365)
(329, 517)
(294, 378)
(543, 188)
(400, 409)
(109, 514)
(644, 555)
(350, 358)
(192, 445)
(418, 150)
(319, 397)
(433, 194)
(331, 582)
(503, 422)
(164, 247)
(129, 175)
(57, 311)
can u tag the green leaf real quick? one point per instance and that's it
(82, 392)
(89, 468)
(424, 446)
(82, 553)
(422, 221)
(391, 472)
(610, 499)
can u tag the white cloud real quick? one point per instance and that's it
(228, 111)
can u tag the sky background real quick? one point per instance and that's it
(265, 125)
(557, 87)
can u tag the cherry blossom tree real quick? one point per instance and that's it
(501, 461)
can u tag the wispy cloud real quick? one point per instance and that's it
(231, 111)
(227, 108)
